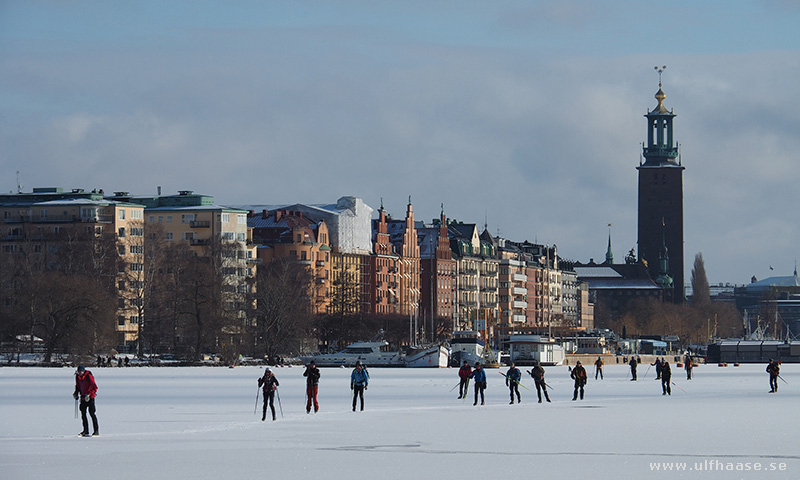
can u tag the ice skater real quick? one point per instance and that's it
(464, 375)
(513, 375)
(579, 375)
(86, 391)
(480, 382)
(633, 363)
(538, 378)
(269, 383)
(774, 371)
(666, 377)
(689, 364)
(359, 380)
(598, 368)
(312, 386)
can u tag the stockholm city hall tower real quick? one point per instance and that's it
(660, 231)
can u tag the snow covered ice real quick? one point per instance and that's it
(198, 423)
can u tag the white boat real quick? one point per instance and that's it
(435, 356)
(368, 353)
(466, 345)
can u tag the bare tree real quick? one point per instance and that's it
(283, 308)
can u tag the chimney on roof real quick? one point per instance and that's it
(264, 214)
(278, 215)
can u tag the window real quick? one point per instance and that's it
(161, 219)
(188, 217)
(151, 218)
(227, 236)
(121, 214)
(121, 232)
(169, 218)
(188, 236)
(121, 249)
(241, 219)
(137, 214)
(43, 213)
(137, 249)
(137, 267)
(137, 231)
(303, 255)
(121, 285)
(225, 218)
(241, 237)
(121, 321)
(168, 236)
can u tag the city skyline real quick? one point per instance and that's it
(527, 117)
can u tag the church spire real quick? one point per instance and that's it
(609, 253)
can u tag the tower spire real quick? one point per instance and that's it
(609, 253)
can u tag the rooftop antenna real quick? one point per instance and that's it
(485, 220)
(660, 70)
(19, 185)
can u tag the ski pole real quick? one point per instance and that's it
(648, 371)
(279, 401)
(457, 384)
(466, 391)
(679, 388)
(784, 381)
(515, 381)
(76, 408)
(255, 407)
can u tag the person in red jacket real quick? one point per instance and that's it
(464, 373)
(86, 390)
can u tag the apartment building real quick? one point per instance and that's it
(40, 224)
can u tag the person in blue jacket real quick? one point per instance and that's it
(513, 375)
(359, 380)
(480, 381)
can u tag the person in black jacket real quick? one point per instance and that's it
(269, 384)
(538, 378)
(312, 386)
(579, 375)
(774, 371)
(633, 364)
(666, 377)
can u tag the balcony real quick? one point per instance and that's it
(518, 318)
(195, 242)
(520, 291)
(519, 304)
(200, 224)
(320, 263)
(519, 277)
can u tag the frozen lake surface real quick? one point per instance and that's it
(198, 423)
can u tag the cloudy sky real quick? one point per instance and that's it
(527, 115)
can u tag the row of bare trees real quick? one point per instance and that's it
(690, 322)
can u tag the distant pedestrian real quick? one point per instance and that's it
(99, 361)
(513, 375)
(633, 363)
(86, 391)
(579, 375)
(598, 368)
(666, 378)
(688, 366)
(359, 381)
(774, 370)
(538, 378)
(464, 375)
(480, 382)
(268, 384)
(312, 375)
